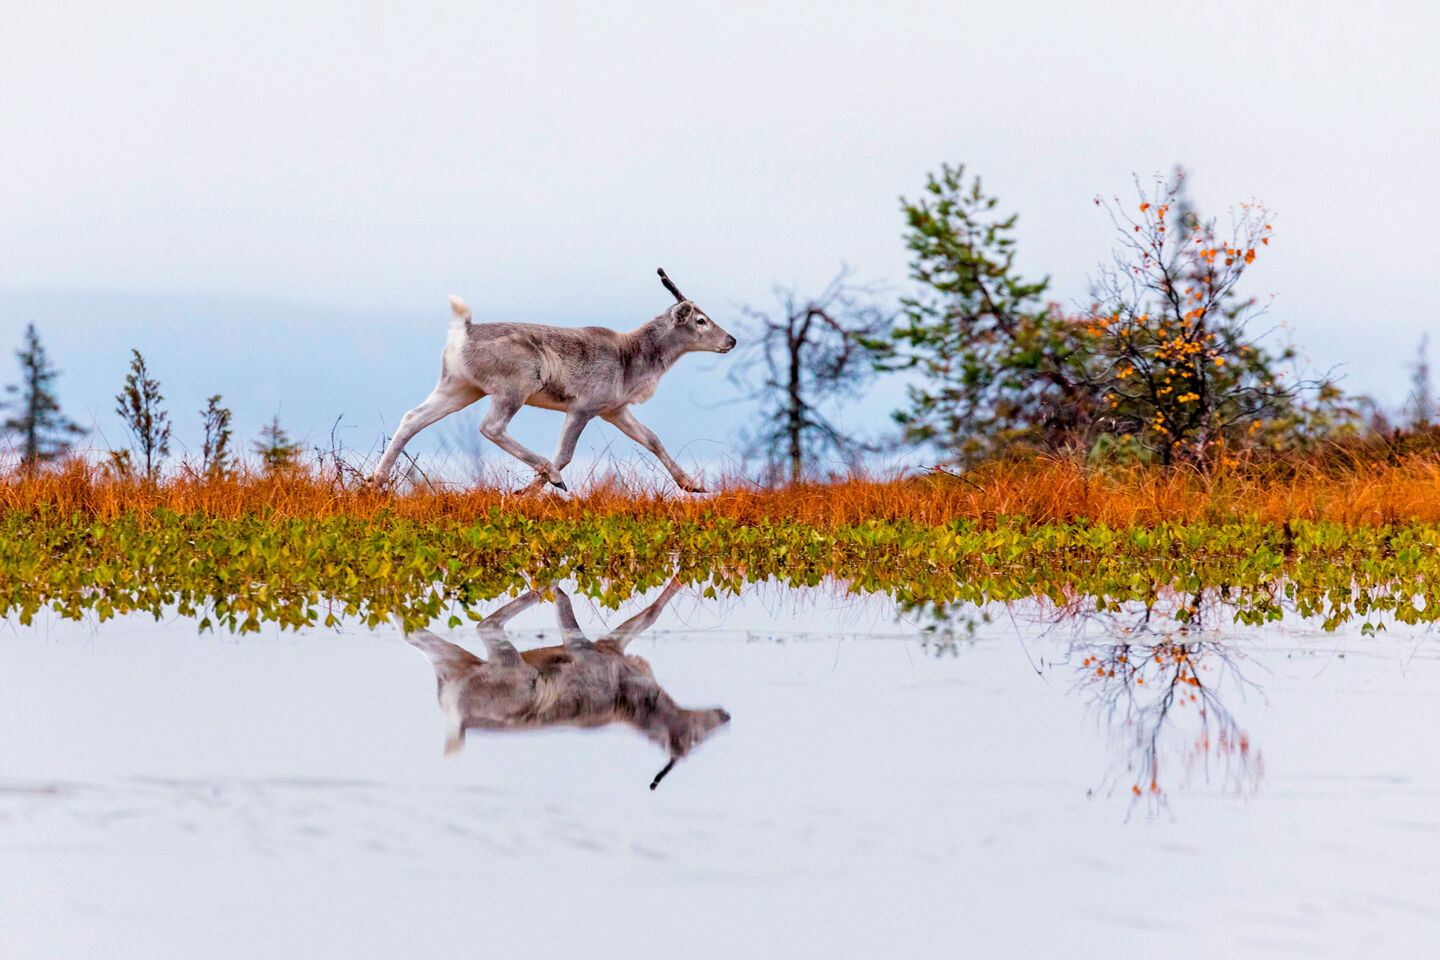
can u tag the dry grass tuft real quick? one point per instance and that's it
(1354, 491)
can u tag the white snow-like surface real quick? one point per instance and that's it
(164, 794)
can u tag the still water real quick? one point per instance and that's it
(1034, 787)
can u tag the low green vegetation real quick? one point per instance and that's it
(235, 574)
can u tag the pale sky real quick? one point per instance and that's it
(273, 201)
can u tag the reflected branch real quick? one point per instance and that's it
(1161, 699)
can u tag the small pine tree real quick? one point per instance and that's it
(987, 355)
(44, 433)
(216, 451)
(138, 405)
(277, 451)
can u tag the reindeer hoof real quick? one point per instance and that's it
(560, 485)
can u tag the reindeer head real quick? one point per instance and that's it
(691, 328)
(686, 731)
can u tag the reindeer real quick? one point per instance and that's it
(585, 372)
(579, 683)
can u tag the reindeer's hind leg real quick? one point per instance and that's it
(574, 640)
(449, 660)
(575, 422)
(449, 395)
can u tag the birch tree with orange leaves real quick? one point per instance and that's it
(1170, 345)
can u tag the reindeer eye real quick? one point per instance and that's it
(700, 322)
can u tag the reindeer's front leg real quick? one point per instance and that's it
(575, 421)
(492, 630)
(644, 436)
(645, 619)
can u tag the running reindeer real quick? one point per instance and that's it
(586, 372)
(579, 683)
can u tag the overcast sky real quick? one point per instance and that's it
(274, 201)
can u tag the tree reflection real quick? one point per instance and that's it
(1161, 696)
(1154, 678)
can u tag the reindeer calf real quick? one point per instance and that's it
(585, 372)
(579, 683)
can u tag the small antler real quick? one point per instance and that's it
(670, 285)
(661, 775)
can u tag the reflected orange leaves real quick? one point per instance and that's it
(1165, 721)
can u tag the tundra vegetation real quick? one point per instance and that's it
(1148, 453)
(300, 549)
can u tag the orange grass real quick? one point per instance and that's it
(1044, 490)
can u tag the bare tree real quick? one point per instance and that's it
(808, 354)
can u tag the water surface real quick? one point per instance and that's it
(881, 789)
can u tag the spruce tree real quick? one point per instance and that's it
(44, 433)
(988, 357)
(277, 451)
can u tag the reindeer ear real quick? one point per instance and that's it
(683, 310)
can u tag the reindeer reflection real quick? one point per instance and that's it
(1157, 682)
(578, 683)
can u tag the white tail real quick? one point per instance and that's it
(462, 312)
